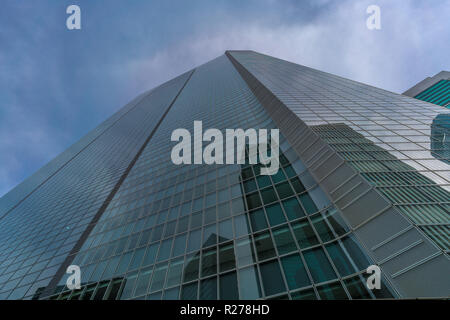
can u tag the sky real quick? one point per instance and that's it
(57, 84)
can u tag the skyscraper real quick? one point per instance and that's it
(360, 183)
(434, 89)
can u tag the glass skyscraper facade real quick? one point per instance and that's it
(364, 179)
(438, 93)
(434, 89)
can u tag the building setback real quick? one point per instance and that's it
(434, 89)
(364, 179)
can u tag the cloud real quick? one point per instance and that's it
(31, 92)
(338, 41)
(32, 142)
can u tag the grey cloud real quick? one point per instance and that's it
(393, 58)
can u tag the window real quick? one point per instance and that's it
(227, 259)
(249, 284)
(189, 291)
(357, 288)
(322, 228)
(229, 287)
(208, 289)
(268, 195)
(271, 277)
(258, 220)
(332, 291)
(307, 203)
(209, 262)
(275, 214)
(284, 240)
(304, 295)
(191, 268)
(284, 190)
(319, 266)
(340, 259)
(264, 246)
(295, 272)
(304, 234)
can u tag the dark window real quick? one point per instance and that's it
(295, 272)
(319, 266)
(271, 277)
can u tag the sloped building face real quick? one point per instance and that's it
(361, 182)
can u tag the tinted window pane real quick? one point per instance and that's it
(332, 292)
(268, 195)
(249, 284)
(264, 246)
(247, 173)
(164, 250)
(229, 287)
(226, 257)
(304, 295)
(263, 181)
(278, 177)
(284, 190)
(241, 226)
(210, 215)
(340, 260)
(159, 276)
(191, 268)
(137, 259)
(319, 198)
(179, 245)
(171, 294)
(155, 296)
(275, 214)
(284, 240)
(357, 288)
(225, 230)
(307, 203)
(322, 228)
(143, 281)
(194, 240)
(383, 292)
(336, 221)
(244, 253)
(293, 209)
(304, 234)
(237, 206)
(127, 290)
(196, 220)
(224, 210)
(150, 255)
(183, 224)
(250, 185)
(355, 251)
(209, 235)
(175, 271)
(208, 289)
(124, 262)
(298, 186)
(295, 272)
(258, 220)
(319, 266)
(209, 262)
(253, 201)
(271, 277)
(157, 233)
(189, 291)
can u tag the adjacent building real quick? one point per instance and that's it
(434, 89)
(364, 180)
